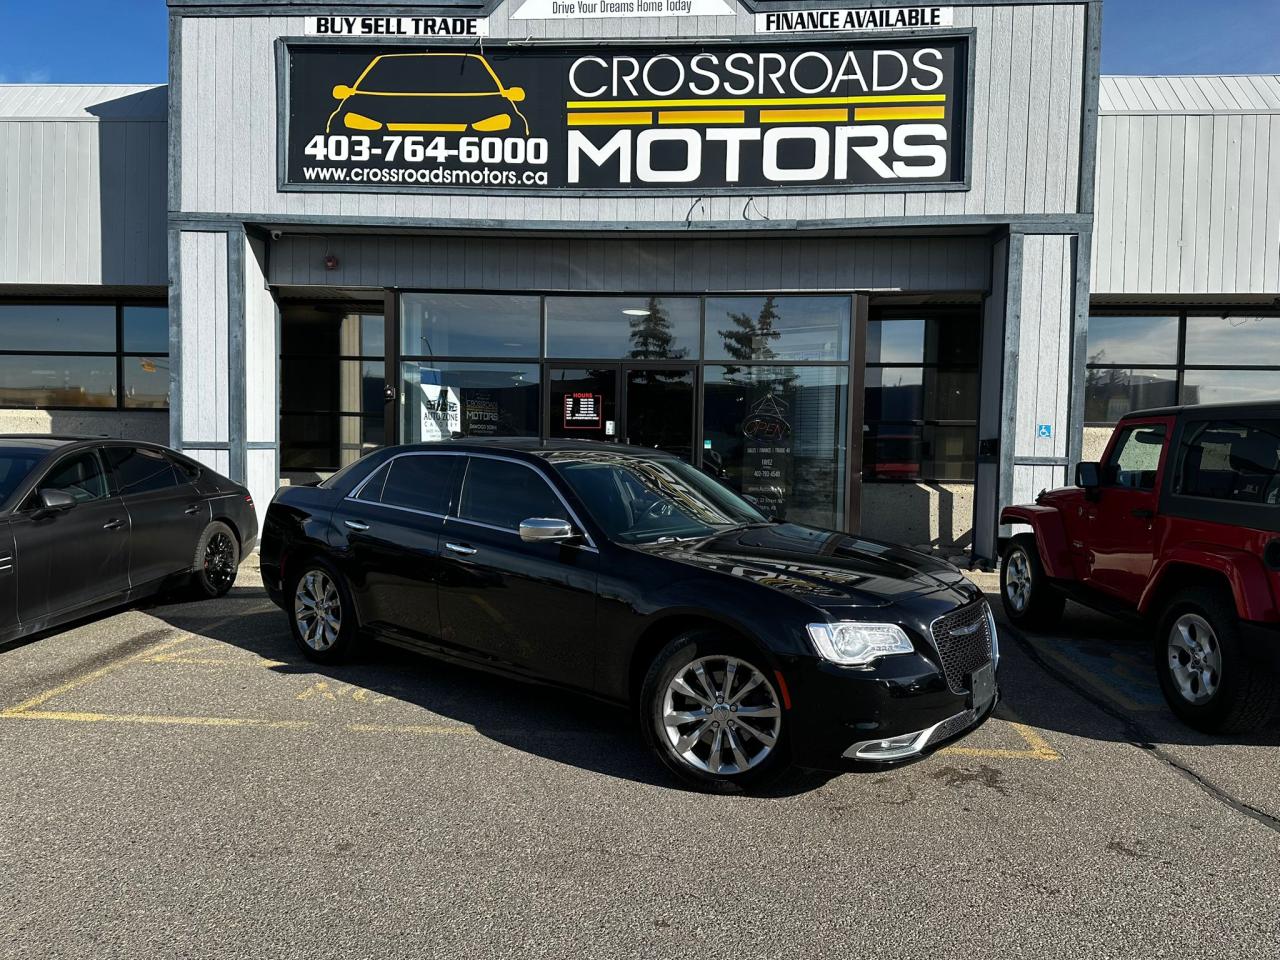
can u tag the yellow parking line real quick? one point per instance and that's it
(93, 675)
(1038, 747)
(171, 720)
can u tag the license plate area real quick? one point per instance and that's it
(982, 687)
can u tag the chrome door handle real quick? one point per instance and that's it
(356, 525)
(113, 525)
(460, 549)
(193, 509)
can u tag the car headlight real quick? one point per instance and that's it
(857, 644)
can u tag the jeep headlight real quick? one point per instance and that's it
(857, 644)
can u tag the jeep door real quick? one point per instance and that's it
(1120, 535)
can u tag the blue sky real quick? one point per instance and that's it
(123, 41)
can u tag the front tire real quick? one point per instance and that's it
(322, 616)
(1029, 599)
(711, 711)
(1204, 671)
(217, 560)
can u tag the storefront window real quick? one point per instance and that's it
(778, 435)
(1138, 362)
(93, 356)
(332, 374)
(777, 328)
(623, 328)
(469, 325)
(921, 396)
(445, 399)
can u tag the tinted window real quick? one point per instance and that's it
(418, 482)
(1133, 340)
(782, 328)
(59, 326)
(1136, 458)
(141, 471)
(469, 325)
(146, 330)
(637, 328)
(82, 476)
(1232, 460)
(14, 467)
(502, 493)
(641, 501)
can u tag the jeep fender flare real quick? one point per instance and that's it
(1250, 587)
(1051, 537)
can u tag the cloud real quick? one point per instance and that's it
(37, 75)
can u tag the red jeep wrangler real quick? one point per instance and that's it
(1179, 524)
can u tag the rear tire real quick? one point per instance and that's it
(1205, 672)
(1029, 599)
(216, 562)
(710, 709)
(322, 616)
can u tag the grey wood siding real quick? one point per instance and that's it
(1044, 346)
(650, 266)
(82, 201)
(1188, 204)
(1029, 62)
(204, 401)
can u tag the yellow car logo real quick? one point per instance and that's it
(428, 93)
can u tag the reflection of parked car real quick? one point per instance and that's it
(629, 574)
(88, 524)
(1181, 524)
(428, 92)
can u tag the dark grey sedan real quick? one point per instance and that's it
(87, 524)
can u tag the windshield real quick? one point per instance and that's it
(426, 73)
(14, 467)
(643, 501)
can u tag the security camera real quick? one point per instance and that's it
(276, 234)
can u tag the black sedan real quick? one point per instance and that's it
(742, 643)
(87, 524)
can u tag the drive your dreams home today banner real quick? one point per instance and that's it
(868, 113)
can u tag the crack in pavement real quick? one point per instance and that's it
(1139, 737)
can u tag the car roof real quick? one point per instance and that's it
(1248, 408)
(38, 441)
(533, 446)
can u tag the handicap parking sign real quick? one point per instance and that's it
(1044, 431)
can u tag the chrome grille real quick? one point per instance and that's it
(963, 642)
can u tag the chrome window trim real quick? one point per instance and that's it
(354, 495)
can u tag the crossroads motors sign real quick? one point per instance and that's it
(857, 113)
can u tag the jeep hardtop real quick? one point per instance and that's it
(1179, 525)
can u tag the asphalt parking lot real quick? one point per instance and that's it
(179, 782)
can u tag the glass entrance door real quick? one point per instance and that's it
(648, 405)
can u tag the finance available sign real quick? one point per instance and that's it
(842, 19)
(825, 114)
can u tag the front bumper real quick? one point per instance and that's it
(840, 715)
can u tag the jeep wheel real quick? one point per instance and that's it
(1204, 671)
(1030, 600)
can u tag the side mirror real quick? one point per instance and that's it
(342, 91)
(544, 529)
(1088, 476)
(514, 94)
(55, 501)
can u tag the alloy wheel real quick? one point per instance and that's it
(1195, 658)
(317, 608)
(721, 715)
(1017, 581)
(220, 561)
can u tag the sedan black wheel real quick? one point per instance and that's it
(321, 613)
(216, 562)
(714, 715)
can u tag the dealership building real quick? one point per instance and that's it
(883, 268)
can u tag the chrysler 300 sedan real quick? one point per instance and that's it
(87, 524)
(743, 644)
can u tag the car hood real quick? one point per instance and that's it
(820, 567)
